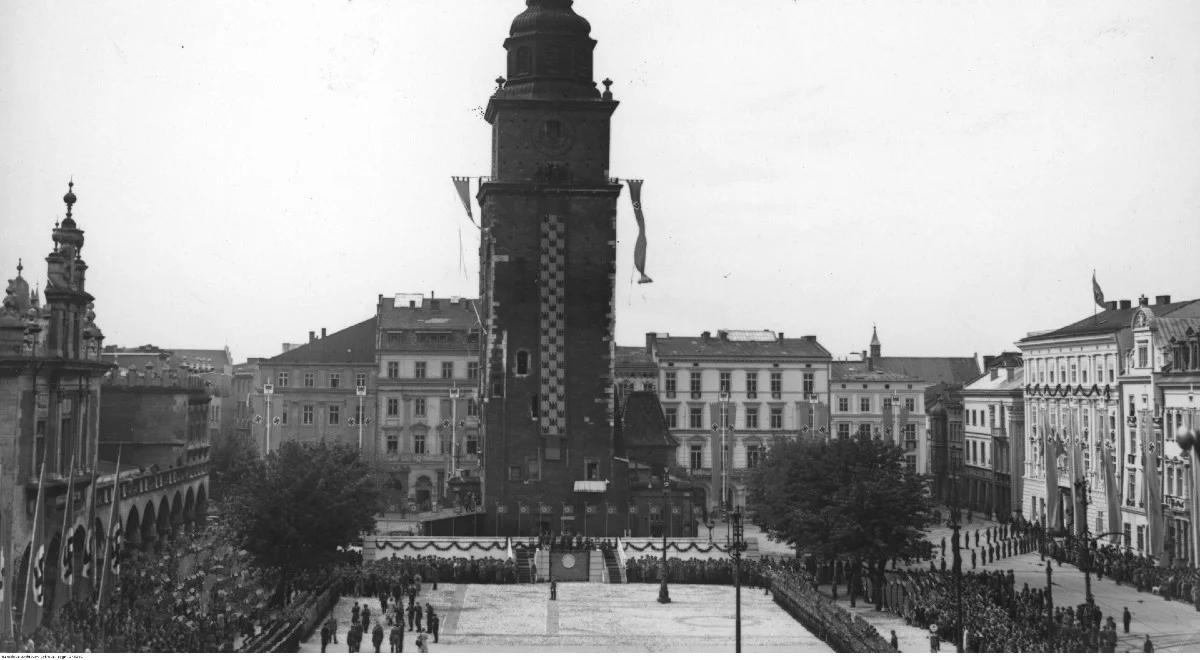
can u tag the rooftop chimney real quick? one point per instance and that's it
(812, 338)
(312, 336)
(1162, 300)
(322, 333)
(651, 337)
(780, 336)
(706, 335)
(1125, 304)
(434, 305)
(1143, 301)
(1111, 305)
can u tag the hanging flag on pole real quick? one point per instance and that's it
(1151, 488)
(87, 564)
(1053, 500)
(66, 544)
(6, 624)
(1097, 294)
(462, 184)
(111, 561)
(35, 582)
(639, 248)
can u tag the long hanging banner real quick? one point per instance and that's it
(1152, 488)
(1053, 501)
(1110, 489)
(66, 544)
(1078, 492)
(110, 563)
(35, 583)
(639, 248)
(6, 624)
(1193, 508)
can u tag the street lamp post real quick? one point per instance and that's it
(664, 595)
(361, 391)
(736, 546)
(268, 390)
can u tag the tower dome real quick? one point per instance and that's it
(549, 53)
(549, 17)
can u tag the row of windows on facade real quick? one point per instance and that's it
(395, 338)
(725, 384)
(864, 403)
(978, 454)
(908, 434)
(333, 379)
(750, 417)
(334, 412)
(1076, 370)
(421, 445)
(976, 417)
(420, 407)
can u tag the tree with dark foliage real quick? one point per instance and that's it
(851, 500)
(232, 457)
(293, 510)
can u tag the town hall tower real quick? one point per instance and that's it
(547, 269)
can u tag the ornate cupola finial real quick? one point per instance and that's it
(69, 198)
(20, 267)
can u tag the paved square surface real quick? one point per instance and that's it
(592, 617)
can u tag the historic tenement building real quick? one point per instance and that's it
(322, 391)
(728, 397)
(885, 396)
(51, 378)
(994, 442)
(1158, 390)
(1092, 385)
(944, 412)
(427, 446)
(547, 268)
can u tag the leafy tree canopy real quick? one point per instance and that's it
(230, 460)
(849, 499)
(292, 510)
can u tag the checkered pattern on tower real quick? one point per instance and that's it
(553, 399)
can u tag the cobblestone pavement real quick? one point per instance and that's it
(591, 617)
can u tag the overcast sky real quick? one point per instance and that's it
(248, 171)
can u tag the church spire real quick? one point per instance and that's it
(876, 347)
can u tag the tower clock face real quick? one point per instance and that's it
(552, 135)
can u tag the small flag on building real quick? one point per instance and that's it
(1097, 294)
(589, 509)
(568, 510)
(462, 184)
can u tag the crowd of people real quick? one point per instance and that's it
(1124, 567)
(387, 575)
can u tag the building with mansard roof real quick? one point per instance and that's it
(427, 437)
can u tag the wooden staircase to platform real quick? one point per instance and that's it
(613, 566)
(524, 558)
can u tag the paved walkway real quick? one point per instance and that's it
(591, 617)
